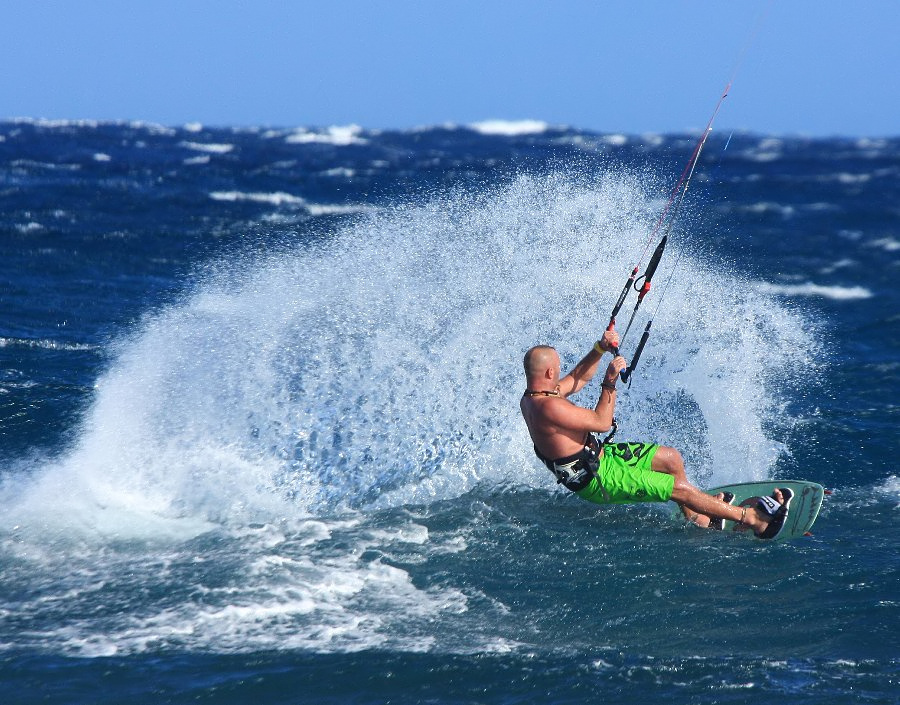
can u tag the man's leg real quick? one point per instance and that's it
(696, 505)
(669, 461)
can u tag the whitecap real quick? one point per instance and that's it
(821, 208)
(872, 143)
(44, 344)
(420, 129)
(509, 128)
(836, 293)
(50, 166)
(651, 139)
(340, 171)
(208, 147)
(277, 198)
(280, 198)
(769, 207)
(889, 244)
(839, 264)
(846, 178)
(152, 128)
(768, 149)
(56, 124)
(615, 140)
(890, 487)
(763, 156)
(340, 136)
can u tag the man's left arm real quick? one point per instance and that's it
(585, 370)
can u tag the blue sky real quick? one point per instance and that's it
(809, 67)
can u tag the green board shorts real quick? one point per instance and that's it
(625, 476)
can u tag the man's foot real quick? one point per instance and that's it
(778, 509)
(769, 513)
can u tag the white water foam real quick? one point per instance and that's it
(277, 198)
(280, 198)
(291, 400)
(208, 147)
(337, 135)
(153, 128)
(888, 244)
(836, 293)
(891, 489)
(45, 344)
(510, 128)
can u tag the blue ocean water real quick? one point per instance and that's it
(259, 435)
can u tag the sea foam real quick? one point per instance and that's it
(339, 136)
(208, 147)
(835, 293)
(510, 128)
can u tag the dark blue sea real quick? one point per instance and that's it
(259, 429)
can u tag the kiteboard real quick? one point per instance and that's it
(803, 510)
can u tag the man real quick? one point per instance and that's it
(563, 436)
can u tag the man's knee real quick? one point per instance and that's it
(668, 459)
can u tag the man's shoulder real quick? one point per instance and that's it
(549, 407)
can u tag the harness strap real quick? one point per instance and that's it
(575, 472)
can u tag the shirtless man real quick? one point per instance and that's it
(619, 473)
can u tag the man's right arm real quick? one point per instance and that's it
(576, 418)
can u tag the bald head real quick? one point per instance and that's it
(539, 360)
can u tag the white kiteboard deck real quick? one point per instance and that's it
(803, 510)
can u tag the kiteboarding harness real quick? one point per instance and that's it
(575, 472)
